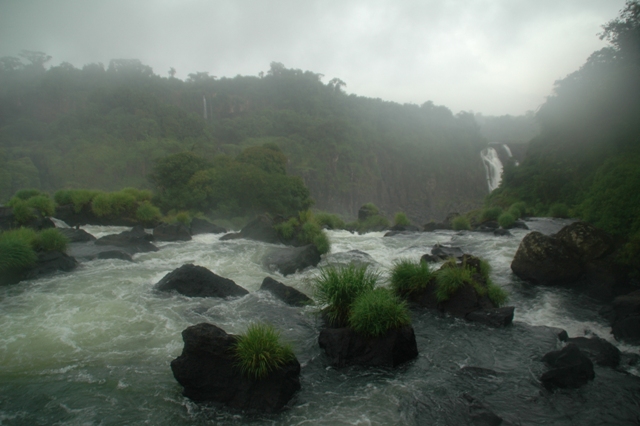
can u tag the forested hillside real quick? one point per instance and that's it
(587, 155)
(105, 127)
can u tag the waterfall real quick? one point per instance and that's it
(204, 102)
(508, 151)
(493, 167)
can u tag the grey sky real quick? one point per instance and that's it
(490, 56)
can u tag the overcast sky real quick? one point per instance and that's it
(490, 56)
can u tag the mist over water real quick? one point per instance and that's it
(94, 346)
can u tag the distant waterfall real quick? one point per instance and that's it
(204, 104)
(508, 151)
(493, 167)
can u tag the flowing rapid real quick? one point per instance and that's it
(93, 346)
(493, 167)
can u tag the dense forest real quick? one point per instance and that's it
(107, 127)
(587, 156)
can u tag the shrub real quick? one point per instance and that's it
(258, 351)
(139, 194)
(184, 218)
(376, 222)
(518, 209)
(42, 203)
(25, 194)
(101, 205)
(496, 294)
(21, 211)
(50, 240)
(122, 204)
(490, 213)
(287, 229)
(15, 253)
(82, 198)
(370, 209)
(408, 276)
(147, 212)
(450, 278)
(329, 220)
(460, 223)
(63, 197)
(506, 220)
(376, 311)
(338, 287)
(28, 235)
(559, 210)
(401, 219)
(322, 243)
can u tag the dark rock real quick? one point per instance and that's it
(598, 350)
(497, 317)
(288, 260)
(85, 216)
(404, 228)
(490, 224)
(202, 226)
(231, 236)
(197, 281)
(586, 240)
(625, 317)
(76, 235)
(37, 222)
(288, 295)
(434, 226)
(429, 258)
(446, 252)
(50, 262)
(519, 224)
(480, 415)
(207, 371)
(502, 233)
(261, 229)
(570, 368)
(115, 254)
(344, 346)
(134, 241)
(545, 260)
(394, 233)
(171, 232)
(346, 258)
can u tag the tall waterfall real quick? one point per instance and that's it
(204, 104)
(508, 151)
(493, 167)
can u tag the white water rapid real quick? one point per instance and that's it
(93, 346)
(492, 166)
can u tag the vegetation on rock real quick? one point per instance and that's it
(259, 351)
(376, 311)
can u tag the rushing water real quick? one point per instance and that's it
(492, 166)
(94, 346)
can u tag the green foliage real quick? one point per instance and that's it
(490, 213)
(496, 294)
(629, 254)
(401, 219)
(372, 223)
(259, 351)
(147, 212)
(50, 240)
(518, 209)
(82, 198)
(322, 243)
(140, 195)
(559, 210)
(287, 229)
(408, 276)
(460, 223)
(375, 312)
(101, 205)
(506, 220)
(63, 197)
(21, 211)
(450, 278)
(267, 157)
(25, 194)
(15, 253)
(306, 229)
(184, 218)
(42, 203)
(338, 287)
(329, 220)
(370, 209)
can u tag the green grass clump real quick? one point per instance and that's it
(401, 219)
(506, 220)
(101, 205)
(63, 197)
(408, 276)
(15, 253)
(42, 203)
(376, 222)
(259, 351)
(559, 210)
(518, 209)
(184, 218)
(322, 243)
(450, 278)
(82, 197)
(140, 195)
(374, 312)
(329, 220)
(25, 194)
(147, 212)
(490, 213)
(50, 240)
(21, 211)
(122, 204)
(306, 229)
(460, 223)
(496, 294)
(338, 287)
(287, 229)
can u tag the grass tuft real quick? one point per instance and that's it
(376, 311)
(147, 212)
(506, 220)
(259, 351)
(408, 276)
(338, 287)
(50, 240)
(401, 219)
(460, 223)
(15, 252)
(450, 278)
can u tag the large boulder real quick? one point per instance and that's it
(288, 295)
(47, 263)
(76, 235)
(570, 368)
(207, 370)
(171, 232)
(598, 350)
(587, 241)
(202, 226)
(197, 281)
(443, 252)
(261, 229)
(288, 260)
(546, 260)
(344, 346)
(624, 316)
(134, 241)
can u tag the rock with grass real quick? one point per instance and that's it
(171, 232)
(443, 252)
(203, 226)
(287, 294)
(134, 241)
(248, 372)
(197, 281)
(570, 368)
(289, 260)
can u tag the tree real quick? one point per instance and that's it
(37, 59)
(624, 32)
(172, 72)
